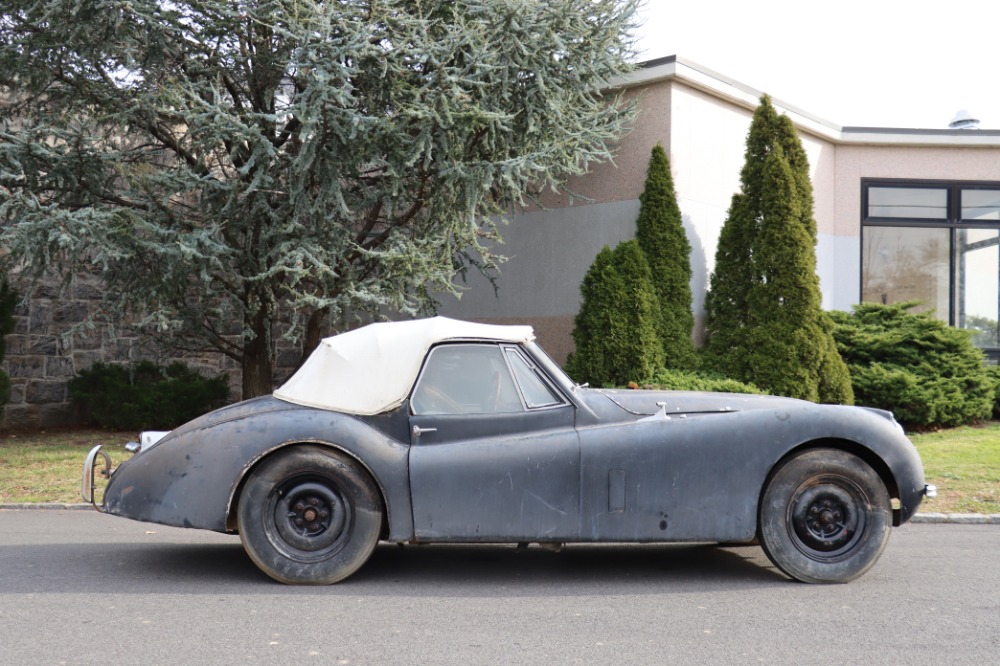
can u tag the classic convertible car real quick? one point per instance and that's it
(438, 430)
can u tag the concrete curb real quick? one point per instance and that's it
(931, 518)
(958, 518)
(38, 506)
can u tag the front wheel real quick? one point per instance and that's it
(310, 516)
(825, 517)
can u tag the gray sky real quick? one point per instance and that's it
(879, 63)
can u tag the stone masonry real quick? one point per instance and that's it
(42, 355)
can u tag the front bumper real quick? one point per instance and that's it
(89, 488)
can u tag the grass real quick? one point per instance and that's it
(47, 466)
(964, 463)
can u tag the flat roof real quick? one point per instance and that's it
(733, 91)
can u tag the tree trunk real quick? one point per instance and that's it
(313, 334)
(258, 360)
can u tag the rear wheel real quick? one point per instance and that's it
(825, 517)
(309, 515)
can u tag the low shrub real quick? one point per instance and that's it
(926, 372)
(615, 329)
(994, 372)
(145, 395)
(677, 380)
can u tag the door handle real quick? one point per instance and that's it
(418, 431)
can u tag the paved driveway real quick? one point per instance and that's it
(82, 588)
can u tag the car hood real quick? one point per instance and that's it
(644, 403)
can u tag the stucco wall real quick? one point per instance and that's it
(622, 179)
(854, 162)
(548, 255)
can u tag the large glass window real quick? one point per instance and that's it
(978, 286)
(920, 203)
(937, 243)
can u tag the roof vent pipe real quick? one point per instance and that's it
(964, 120)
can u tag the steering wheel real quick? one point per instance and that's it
(434, 401)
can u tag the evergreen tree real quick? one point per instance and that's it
(660, 232)
(727, 301)
(615, 329)
(238, 169)
(594, 325)
(798, 161)
(785, 301)
(764, 317)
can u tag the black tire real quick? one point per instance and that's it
(825, 517)
(309, 516)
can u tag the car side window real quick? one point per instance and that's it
(536, 392)
(465, 379)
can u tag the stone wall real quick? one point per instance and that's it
(42, 356)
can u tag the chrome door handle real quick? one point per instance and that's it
(418, 431)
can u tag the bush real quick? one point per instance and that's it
(926, 372)
(994, 372)
(615, 330)
(145, 395)
(677, 380)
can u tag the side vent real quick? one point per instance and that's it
(616, 490)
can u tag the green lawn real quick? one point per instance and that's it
(48, 466)
(964, 463)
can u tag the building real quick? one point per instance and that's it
(902, 214)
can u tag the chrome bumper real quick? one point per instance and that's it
(89, 488)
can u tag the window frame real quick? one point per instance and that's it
(953, 223)
(503, 349)
(537, 371)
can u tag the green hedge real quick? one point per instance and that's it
(994, 372)
(145, 395)
(918, 367)
(676, 380)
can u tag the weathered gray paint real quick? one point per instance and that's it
(692, 472)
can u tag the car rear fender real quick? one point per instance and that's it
(232, 510)
(192, 478)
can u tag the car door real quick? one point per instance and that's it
(494, 453)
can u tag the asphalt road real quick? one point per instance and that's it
(77, 587)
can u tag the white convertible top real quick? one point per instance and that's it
(371, 369)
